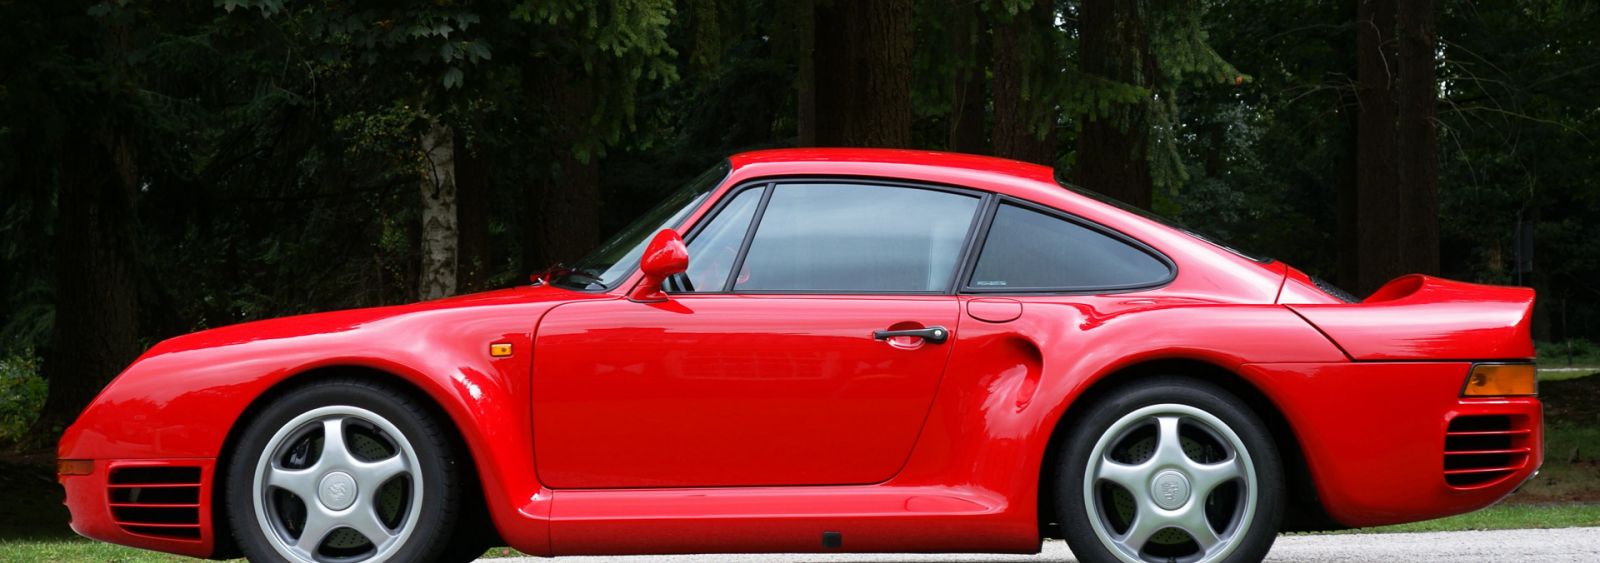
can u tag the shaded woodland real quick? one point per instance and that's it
(171, 166)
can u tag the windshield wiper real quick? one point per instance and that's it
(563, 272)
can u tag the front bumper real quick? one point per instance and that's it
(158, 504)
(1374, 435)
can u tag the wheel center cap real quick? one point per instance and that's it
(337, 490)
(1170, 489)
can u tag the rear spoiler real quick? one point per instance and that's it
(1419, 317)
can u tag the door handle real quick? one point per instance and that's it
(931, 335)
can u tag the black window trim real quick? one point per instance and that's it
(674, 284)
(977, 243)
(771, 183)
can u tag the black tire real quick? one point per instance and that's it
(435, 517)
(1252, 532)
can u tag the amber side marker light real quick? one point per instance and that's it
(1501, 380)
(74, 466)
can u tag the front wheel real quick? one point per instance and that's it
(1169, 469)
(343, 471)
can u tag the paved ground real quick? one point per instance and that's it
(1569, 544)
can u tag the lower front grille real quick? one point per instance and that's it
(1481, 450)
(156, 501)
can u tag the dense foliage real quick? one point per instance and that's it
(171, 166)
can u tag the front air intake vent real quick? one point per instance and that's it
(156, 501)
(1480, 450)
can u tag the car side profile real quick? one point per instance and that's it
(815, 350)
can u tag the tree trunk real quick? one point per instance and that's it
(96, 316)
(566, 211)
(472, 208)
(863, 93)
(805, 14)
(967, 50)
(562, 223)
(1347, 234)
(1024, 121)
(440, 230)
(1378, 204)
(1113, 150)
(1418, 151)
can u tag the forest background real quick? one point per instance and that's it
(167, 167)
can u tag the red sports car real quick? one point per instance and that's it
(844, 350)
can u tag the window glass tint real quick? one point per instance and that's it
(1028, 249)
(835, 237)
(714, 248)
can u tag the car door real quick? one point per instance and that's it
(763, 368)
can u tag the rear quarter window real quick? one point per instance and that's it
(1029, 250)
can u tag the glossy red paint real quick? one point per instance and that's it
(698, 392)
(665, 256)
(95, 506)
(1422, 317)
(1380, 431)
(751, 423)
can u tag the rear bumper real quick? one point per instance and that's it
(158, 504)
(1374, 437)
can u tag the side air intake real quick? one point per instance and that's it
(162, 502)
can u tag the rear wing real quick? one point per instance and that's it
(1419, 317)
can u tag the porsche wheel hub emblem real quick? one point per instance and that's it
(1170, 490)
(337, 491)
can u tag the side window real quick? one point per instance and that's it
(857, 238)
(1027, 250)
(715, 248)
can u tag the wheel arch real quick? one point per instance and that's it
(477, 496)
(1304, 510)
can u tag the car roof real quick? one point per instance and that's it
(1010, 177)
(947, 160)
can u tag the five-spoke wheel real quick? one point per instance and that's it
(1172, 469)
(338, 479)
(343, 471)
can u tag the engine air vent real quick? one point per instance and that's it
(156, 501)
(1333, 290)
(1480, 450)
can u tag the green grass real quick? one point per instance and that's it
(78, 550)
(1568, 353)
(1571, 471)
(1563, 373)
(81, 550)
(1502, 517)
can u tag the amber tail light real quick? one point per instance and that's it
(1501, 380)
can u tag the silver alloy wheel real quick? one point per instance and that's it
(342, 489)
(1170, 491)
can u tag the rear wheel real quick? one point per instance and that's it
(343, 471)
(1169, 469)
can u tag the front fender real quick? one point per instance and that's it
(185, 399)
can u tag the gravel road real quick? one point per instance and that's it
(1568, 544)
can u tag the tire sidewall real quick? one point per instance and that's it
(1086, 430)
(436, 513)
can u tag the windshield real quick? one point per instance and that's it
(613, 260)
(1102, 198)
